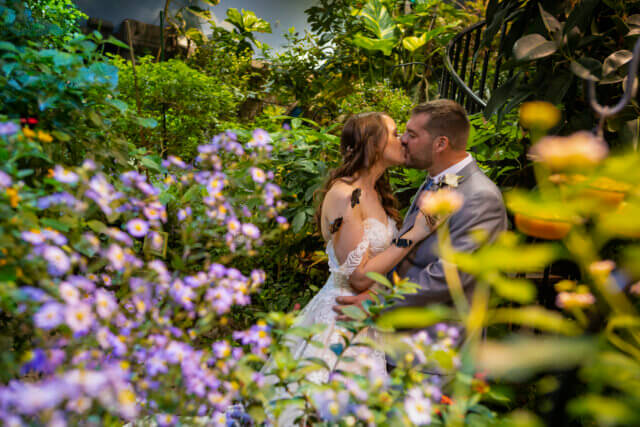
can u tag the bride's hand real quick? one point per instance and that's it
(423, 225)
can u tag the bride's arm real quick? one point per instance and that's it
(344, 225)
(390, 257)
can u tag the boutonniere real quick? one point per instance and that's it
(449, 180)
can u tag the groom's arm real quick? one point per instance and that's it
(483, 211)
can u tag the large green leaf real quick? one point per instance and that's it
(414, 317)
(377, 20)
(533, 46)
(507, 255)
(606, 411)
(633, 22)
(379, 23)
(524, 357)
(616, 60)
(247, 21)
(519, 290)
(587, 68)
(412, 43)
(385, 46)
(535, 317)
(553, 26)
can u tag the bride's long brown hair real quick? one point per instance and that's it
(362, 142)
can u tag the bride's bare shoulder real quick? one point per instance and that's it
(340, 195)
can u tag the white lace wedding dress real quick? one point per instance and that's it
(376, 238)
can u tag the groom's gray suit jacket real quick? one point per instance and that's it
(483, 208)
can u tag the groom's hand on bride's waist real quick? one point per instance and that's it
(347, 300)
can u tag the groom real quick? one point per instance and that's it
(435, 140)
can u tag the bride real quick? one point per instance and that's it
(357, 218)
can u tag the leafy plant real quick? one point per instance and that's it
(554, 46)
(194, 104)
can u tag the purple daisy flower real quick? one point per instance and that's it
(258, 175)
(60, 174)
(49, 316)
(79, 317)
(8, 128)
(5, 180)
(250, 230)
(137, 227)
(59, 262)
(184, 213)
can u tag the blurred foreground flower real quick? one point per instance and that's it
(569, 300)
(579, 150)
(540, 115)
(443, 202)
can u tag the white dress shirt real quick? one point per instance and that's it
(453, 169)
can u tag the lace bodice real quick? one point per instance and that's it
(376, 238)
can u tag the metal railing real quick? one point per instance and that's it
(461, 79)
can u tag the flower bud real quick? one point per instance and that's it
(442, 202)
(578, 150)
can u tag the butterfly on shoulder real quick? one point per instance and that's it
(335, 225)
(355, 197)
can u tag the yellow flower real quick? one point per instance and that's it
(14, 197)
(571, 300)
(28, 132)
(442, 202)
(579, 150)
(565, 285)
(601, 269)
(540, 115)
(44, 137)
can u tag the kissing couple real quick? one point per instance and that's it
(361, 224)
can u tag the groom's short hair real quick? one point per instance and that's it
(447, 118)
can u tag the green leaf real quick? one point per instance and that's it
(354, 312)
(318, 361)
(518, 290)
(61, 136)
(385, 46)
(587, 68)
(414, 317)
(537, 318)
(190, 194)
(379, 278)
(56, 225)
(522, 358)
(148, 123)
(118, 104)
(8, 273)
(605, 410)
(615, 61)
(377, 20)
(553, 26)
(97, 226)
(298, 221)
(412, 43)
(149, 163)
(114, 41)
(8, 46)
(533, 46)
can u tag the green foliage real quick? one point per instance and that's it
(499, 146)
(60, 13)
(195, 104)
(554, 46)
(69, 90)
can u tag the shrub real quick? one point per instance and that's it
(194, 104)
